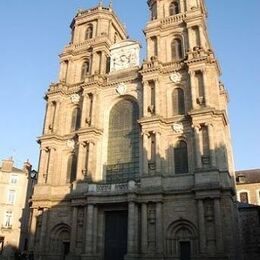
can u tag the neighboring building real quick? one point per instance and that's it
(248, 186)
(13, 187)
(136, 159)
(248, 194)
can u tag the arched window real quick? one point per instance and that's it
(178, 101)
(181, 158)
(89, 32)
(75, 119)
(176, 48)
(72, 168)
(123, 142)
(85, 69)
(174, 8)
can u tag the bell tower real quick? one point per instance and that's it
(185, 123)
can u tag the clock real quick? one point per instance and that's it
(33, 174)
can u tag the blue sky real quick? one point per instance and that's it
(33, 33)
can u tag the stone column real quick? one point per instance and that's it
(157, 97)
(190, 38)
(212, 145)
(159, 237)
(95, 229)
(198, 152)
(48, 118)
(131, 228)
(94, 110)
(73, 234)
(146, 102)
(43, 230)
(50, 165)
(33, 229)
(218, 225)
(144, 233)
(85, 111)
(55, 117)
(202, 38)
(202, 230)
(89, 229)
(81, 161)
(91, 161)
(46, 167)
(193, 89)
(205, 85)
(158, 152)
(145, 152)
(42, 164)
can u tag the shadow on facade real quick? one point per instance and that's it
(74, 226)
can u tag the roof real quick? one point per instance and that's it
(248, 176)
(14, 170)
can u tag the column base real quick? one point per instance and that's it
(90, 257)
(143, 257)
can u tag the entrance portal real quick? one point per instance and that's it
(185, 250)
(115, 235)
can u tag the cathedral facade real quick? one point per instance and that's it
(136, 158)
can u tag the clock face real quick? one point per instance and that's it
(33, 174)
(124, 59)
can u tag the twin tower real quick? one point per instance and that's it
(136, 159)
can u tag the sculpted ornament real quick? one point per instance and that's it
(178, 128)
(121, 89)
(75, 98)
(175, 77)
(71, 144)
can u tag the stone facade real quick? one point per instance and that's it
(14, 185)
(136, 159)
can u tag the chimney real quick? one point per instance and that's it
(7, 165)
(27, 167)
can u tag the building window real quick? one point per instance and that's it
(176, 48)
(85, 69)
(72, 168)
(178, 101)
(181, 158)
(244, 197)
(174, 8)
(75, 119)
(11, 196)
(123, 142)
(89, 32)
(8, 219)
(14, 179)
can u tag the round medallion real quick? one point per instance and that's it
(121, 89)
(71, 144)
(178, 128)
(175, 77)
(75, 98)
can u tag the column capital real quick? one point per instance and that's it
(146, 133)
(196, 127)
(192, 73)
(209, 124)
